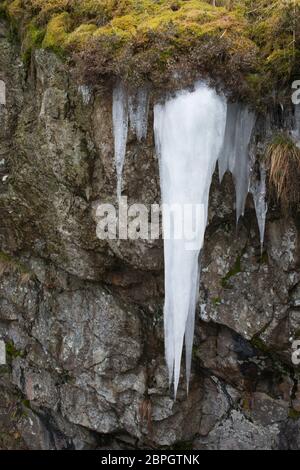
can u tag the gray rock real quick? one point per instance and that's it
(237, 433)
(82, 318)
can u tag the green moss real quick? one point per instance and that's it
(297, 334)
(15, 10)
(26, 403)
(57, 32)
(3, 11)
(216, 301)
(259, 344)
(234, 270)
(35, 35)
(145, 38)
(33, 39)
(12, 352)
(8, 264)
(283, 139)
(246, 404)
(294, 414)
(81, 35)
(263, 258)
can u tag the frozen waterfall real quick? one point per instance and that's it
(193, 130)
(189, 131)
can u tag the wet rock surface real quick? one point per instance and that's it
(82, 318)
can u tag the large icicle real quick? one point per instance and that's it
(259, 192)
(227, 156)
(120, 127)
(234, 156)
(189, 131)
(138, 113)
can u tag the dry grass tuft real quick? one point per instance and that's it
(283, 163)
(146, 414)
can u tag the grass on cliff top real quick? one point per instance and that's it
(135, 39)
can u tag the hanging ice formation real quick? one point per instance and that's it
(120, 125)
(138, 113)
(235, 153)
(192, 130)
(125, 107)
(2, 93)
(189, 131)
(296, 130)
(86, 93)
(259, 191)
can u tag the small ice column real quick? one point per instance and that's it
(120, 128)
(227, 156)
(2, 93)
(241, 170)
(138, 113)
(234, 156)
(296, 130)
(86, 93)
(189, 132)
(259, 193)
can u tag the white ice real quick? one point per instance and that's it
(86, 93)
(189, 132)
(120, 128)
(138, 113)
(234, 156)
(2, 93)
(296, 130)
(259, 191)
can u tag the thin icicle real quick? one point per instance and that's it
(120, 127)
(234, 156)
(138, 113)
(86, 93)
(189, 131)
(2, 93)
(227, 156)
(259, 192)
(296, 130)
(241, 171)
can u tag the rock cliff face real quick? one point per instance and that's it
(82, 318)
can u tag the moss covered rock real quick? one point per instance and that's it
(251, 47)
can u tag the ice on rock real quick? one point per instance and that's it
(296, 130)
(192, 131)
(259, 192)
(2, 93)
(86, 93)
(120, 128)
(189, 132)
(227, 156)
(138, 113)
(133, 108)
(234, 156)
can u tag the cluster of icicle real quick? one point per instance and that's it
(193, 130)
(128, 109)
